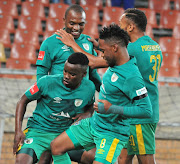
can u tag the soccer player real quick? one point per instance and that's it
(59, 99)
(123, 95)
(53, 52)
(149, 58)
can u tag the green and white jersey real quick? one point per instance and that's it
(57, 104)
(149, 58)
(53, 55)
(121, 84)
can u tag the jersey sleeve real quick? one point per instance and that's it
(44, 61)
(37, 90)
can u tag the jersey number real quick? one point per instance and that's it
(103, 141)
(156, 67)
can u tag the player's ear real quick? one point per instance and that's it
(130, 27)
(115, 47)
(84, 74)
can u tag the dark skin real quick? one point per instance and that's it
(73, 74)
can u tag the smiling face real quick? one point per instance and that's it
(75, 23)
(108, 52)
(73, 74)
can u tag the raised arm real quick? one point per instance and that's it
(20, 111)
(66, 38)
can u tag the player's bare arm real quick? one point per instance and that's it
(20, 111)
(66, 38)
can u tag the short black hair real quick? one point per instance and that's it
(76, 8)
(138, 17)
(114, 33)
(78, 58)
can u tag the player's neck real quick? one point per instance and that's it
(136, 36)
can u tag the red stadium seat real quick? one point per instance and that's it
(30, 23)
(57, 10)
(34, 9)
(5, 38)
(44, 2)
(177, 5)
(92, 13)
(151, 16)
(91, 29)
(169, 43)
(159, 5)
(24, 52)
(176, 32)
(54, 24)
(96, 3)
(112, 14)
(169, 19)
(7, 22)
(149, 31)
(27, 37)
(8, 7)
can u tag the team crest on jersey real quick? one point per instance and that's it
(34, 89)
(78, 102)
(114, 77)
(57, 100)
(28, 140)
(65, 48)
(86, 46)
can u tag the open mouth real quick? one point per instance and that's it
(75, 33)
(65, 82)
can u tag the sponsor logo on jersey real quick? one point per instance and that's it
(62, 114)
(41, 55)
(57, 100)
(86, 46)
(78, 102)
(100, 151)
(114, 77)
(141, 91)
(77, 123)
(65, 48)
(28, 140)
(34, 89)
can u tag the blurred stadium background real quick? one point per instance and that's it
(24, 24)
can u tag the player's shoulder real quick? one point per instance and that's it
(52, 40)
(88, 84)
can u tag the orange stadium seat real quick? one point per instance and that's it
(34, 8)
(149, 31)
(92, 13)
(91, 29)
(177, 5)
(176, 32)
(7, 22)
(27, 37)
(44, 2)
(54, 24)
(169, 44)
(24, 52)
(151, 16)
(30, 23)
(112, 14)
(108, 3)
(8, 7)
(159, 5)
(169, 19)
(5, 38)
(97, 3)
(57, 10)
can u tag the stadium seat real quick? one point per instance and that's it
(112, 14)
(30, 23)
(27, 37)
(34, 9)
(149, 31)
(92, 13)
(91, 29)
(24, 52)
(108, 3)
(159, 5)
(2, 53)
(44, 2)
(169, 43)
(5, 38)
(151, 16)
(177, 5)
(54, 24)
(96, 3)
(7, 22)
(47, 34)
(169, 19)
(8, 7)
(57, 10)
(176, 32)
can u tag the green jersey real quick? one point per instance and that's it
(120, 86)
(53, 55)
(57, 104)
(149, 58)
